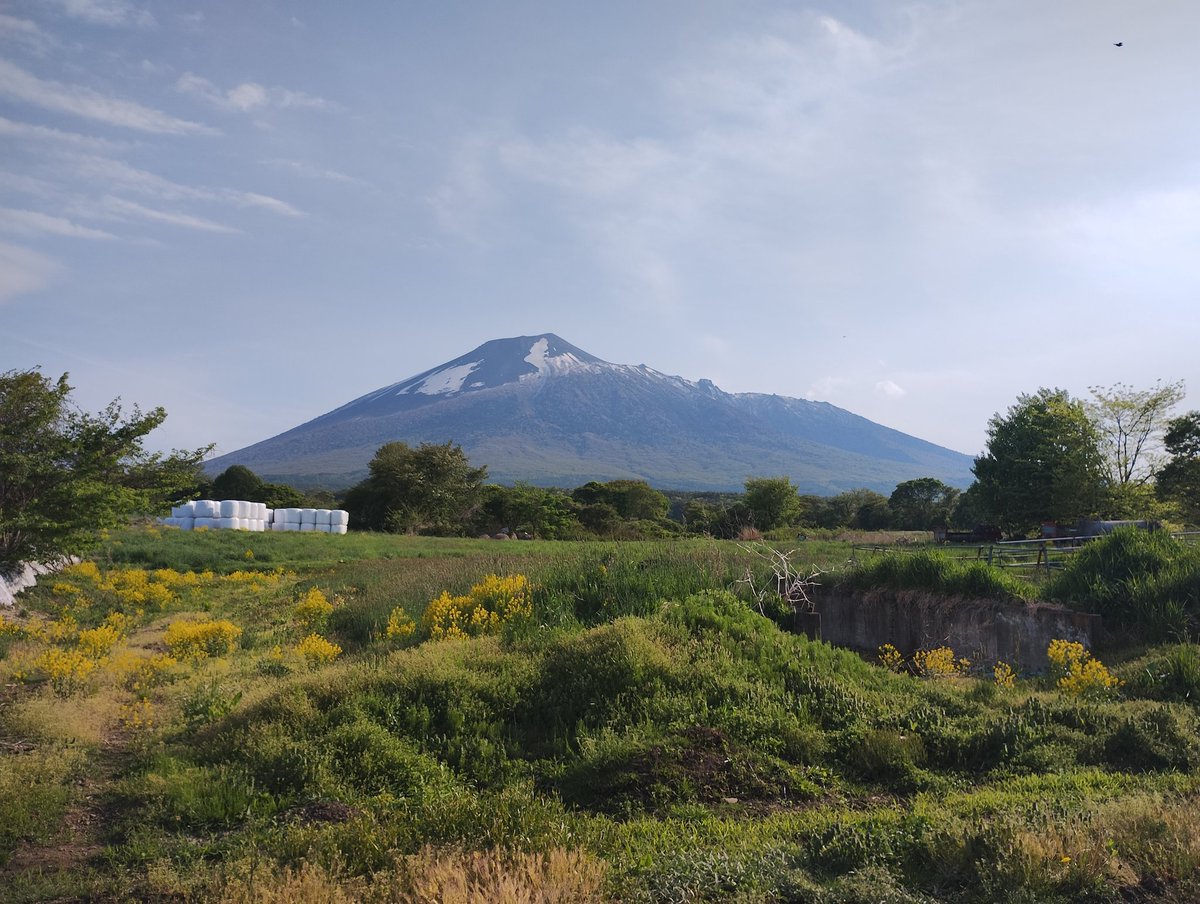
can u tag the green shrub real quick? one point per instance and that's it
(1162, 738)
(935, 572)
(1170, 673)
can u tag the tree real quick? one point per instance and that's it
(1130, 423)
(772, 501)
(633, 500)
(432, 488)
(1178, 481)
(1043, 462)
(66, 474)
(547, 514)
(238, 482)
(922, 504)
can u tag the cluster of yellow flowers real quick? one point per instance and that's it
(399, 624)
(137, 715)
(936, 663)
(317, 651)
(1004, 675)
(891, 658)
(198, 639)
(485, 609)
(1077, 673)
(313, 609)
(939, 662)
(68, 670)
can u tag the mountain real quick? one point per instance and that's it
(538, 409)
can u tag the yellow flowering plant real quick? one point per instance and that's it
(318, 651)
(1076, 673)
(484, 609)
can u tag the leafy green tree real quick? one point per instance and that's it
(432, 488)
(1130, 423)
(862, 508)
(633, 500)
(1043, 462)
(238, 482)
(772, 501)
(1179, 479)
(65, 474)
(922, 504)
(547, 514)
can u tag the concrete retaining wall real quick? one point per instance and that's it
(982, 630)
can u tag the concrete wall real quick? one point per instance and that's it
(982, 630)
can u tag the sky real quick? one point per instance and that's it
(251, 212)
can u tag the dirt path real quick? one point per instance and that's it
(85, 824)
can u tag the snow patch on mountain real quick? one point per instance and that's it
(442, 382)
(553, 365)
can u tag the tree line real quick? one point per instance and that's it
(66, 474)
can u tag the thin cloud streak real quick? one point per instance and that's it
(78, 100)
(32, 222)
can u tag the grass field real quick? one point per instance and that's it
(268, 717)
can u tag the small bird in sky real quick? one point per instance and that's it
(1119, 44)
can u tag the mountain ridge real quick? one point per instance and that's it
(541, 410)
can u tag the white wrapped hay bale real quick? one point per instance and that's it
(308, 516)
(339, 516)
(226, 523)
(307, 526)
(291, 525)
(187, 510)
(337, 528)
(291, 515)
(278, 525)
(206, 508)
(321, 517)
(227, 508)
(185, 523)
(209, 523)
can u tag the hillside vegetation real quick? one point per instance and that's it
(272, 717)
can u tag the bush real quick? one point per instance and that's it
(937, 573)
(198, 639)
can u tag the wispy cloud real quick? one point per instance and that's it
(308, 170)
(890, 390)
(113, 13)
(249, 96)
(27, 131)
(23, 271)
(26, 33)
(32, 222)
(78, 100)
(123, 209)
(116, 173)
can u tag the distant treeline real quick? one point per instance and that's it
(433, 489)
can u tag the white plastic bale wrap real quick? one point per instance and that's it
(226, 523)
(291, 525)
(227, 508)
(308, 516)
(291, 515)
(306, 526)
(185, 523)
(278, 525)
(209, 523)
(337, 528)
(321, 517)
(207, 508)
(339, 516)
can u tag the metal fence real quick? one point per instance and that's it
(1032, 558)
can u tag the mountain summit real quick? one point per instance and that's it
(539, 409)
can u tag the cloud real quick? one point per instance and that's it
(32, 222)
(23, 271)
(30, 132)
(25, 33)
(826, 387)
(115, 172)
(123, 209)
(301, 168)
(249, 96)
(113, 13)
(889, 390)
(77, 100)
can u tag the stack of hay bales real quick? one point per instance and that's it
(237, 514)
(325, 521)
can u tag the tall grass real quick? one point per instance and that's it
(935, 572)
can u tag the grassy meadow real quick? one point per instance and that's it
(222, 716)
